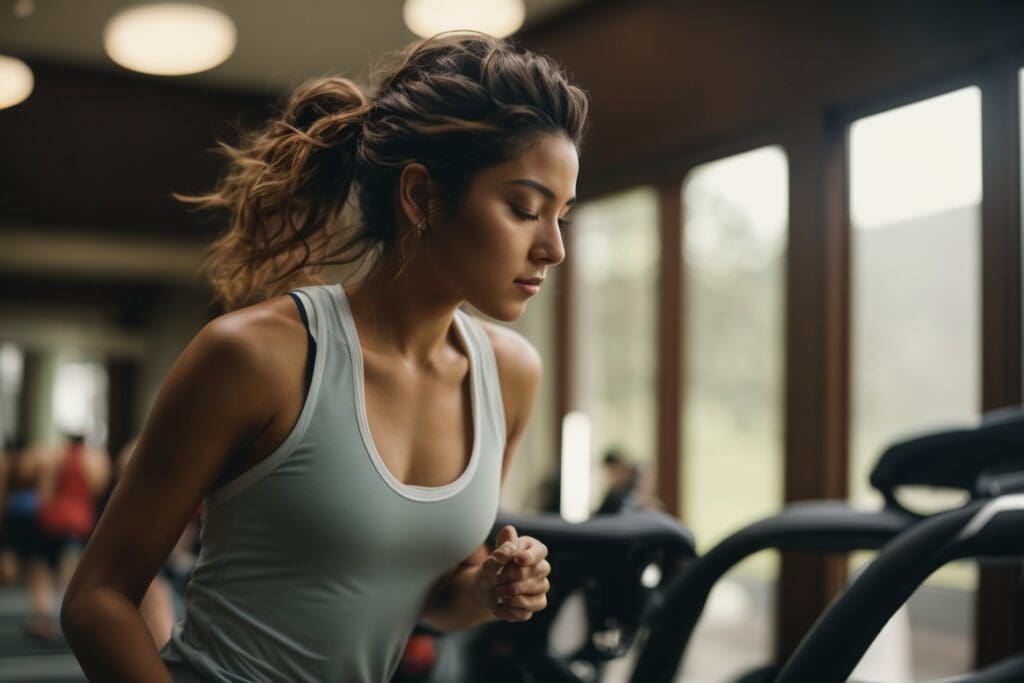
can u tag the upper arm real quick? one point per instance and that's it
(519, 371)
(214, 397)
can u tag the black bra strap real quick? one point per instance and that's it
(311, 345)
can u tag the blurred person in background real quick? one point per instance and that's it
(50, 509)
(18, 503)
(629, 486)
(18, 509)
(24, 558)
(621, 478)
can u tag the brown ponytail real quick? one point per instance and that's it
(286, 187)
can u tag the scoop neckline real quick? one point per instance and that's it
(411, 491)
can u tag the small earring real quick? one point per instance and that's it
(421, 227)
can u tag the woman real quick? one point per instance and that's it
(350, 442)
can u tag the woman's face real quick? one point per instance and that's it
(496, 250)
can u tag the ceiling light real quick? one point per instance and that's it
(499, 18)
(16, 81)
(169, 38)
(24, 8)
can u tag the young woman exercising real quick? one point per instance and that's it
(349, 443)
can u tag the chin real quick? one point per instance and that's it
(506, 313)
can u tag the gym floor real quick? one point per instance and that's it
(24, 659)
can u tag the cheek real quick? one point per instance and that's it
(486, 240)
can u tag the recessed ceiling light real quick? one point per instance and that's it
(24, 8)
(499, 18)
(169, 38)
(16, 81)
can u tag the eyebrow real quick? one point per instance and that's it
(540, 187)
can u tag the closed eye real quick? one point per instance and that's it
(527, 216)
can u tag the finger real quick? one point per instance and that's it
(533, 603)
(495, 562)
(512, 573)
(533, 586)
(531, 551)
(507, 535)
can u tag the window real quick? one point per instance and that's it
(12, 360)
(735, 214)
(615, 260)
(915, 192)
(80, 399)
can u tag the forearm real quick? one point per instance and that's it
(110, 639)
(454, 607)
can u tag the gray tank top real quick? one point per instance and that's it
(315, 563)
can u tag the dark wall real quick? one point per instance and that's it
(668, 77)
(103, 151)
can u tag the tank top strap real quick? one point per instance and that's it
(475, 335)
(317, 315)
(318, 308)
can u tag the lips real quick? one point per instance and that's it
(529, 287)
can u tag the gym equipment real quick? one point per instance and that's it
(607, 558)
(615, 560)
(978, 461)
(990, 530)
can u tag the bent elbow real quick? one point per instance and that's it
(78, 609)
(70, 612)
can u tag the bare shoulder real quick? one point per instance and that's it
(518, 360)
(247, 329)
(257, 336)
(519, 371)
(253, 352)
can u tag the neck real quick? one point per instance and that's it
(405, 312)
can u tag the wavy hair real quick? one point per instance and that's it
(456, 103)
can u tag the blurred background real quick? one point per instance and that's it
(798, 240)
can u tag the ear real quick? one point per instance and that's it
(414, 193)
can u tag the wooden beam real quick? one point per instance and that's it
(122, 401)
(817, 358)
(670, 345)
(997, 631)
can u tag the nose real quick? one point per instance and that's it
(548, 247)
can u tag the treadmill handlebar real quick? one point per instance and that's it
(821, 526)
(603, 533)
(953, 458)
(831, 650)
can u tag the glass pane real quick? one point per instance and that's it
(615, 255)
(80, 400)
(915, 192)
(735, 214)
(12, 361)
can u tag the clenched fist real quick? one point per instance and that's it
(513, 581)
